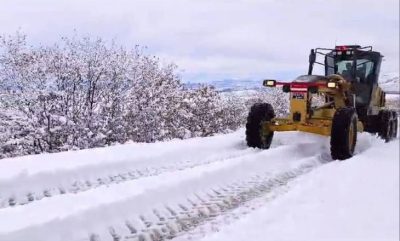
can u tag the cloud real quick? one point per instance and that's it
(218, 39)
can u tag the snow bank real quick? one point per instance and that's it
(47, 172)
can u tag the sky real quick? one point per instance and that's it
(217, 39)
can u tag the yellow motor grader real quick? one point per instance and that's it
(350, 101)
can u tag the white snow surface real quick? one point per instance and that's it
(357, 199)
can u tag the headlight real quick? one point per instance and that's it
(269, 83)
(332, 84)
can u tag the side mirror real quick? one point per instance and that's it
(312, 56)
(311, 59)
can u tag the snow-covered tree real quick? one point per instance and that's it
(83, 92)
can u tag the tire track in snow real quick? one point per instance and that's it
(171, 211)
(31, 189)
(202, 208)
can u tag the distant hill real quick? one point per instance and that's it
(388, 82)
(229, 85)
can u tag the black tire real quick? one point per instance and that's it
(371, 124)
(394, 124)
(259, 113)
(385, 123)
(343, 133)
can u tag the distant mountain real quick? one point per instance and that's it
(390, 82)
(229, 85)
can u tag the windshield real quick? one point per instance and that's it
(344, 67)
(364, 69)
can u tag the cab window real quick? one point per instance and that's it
(344, 67)
(364, 69)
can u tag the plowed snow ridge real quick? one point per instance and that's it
(32, 178)
(188, 183)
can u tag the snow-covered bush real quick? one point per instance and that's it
(84, 93)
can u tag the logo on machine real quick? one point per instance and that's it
(297, 96)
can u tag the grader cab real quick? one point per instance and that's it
(349, 100)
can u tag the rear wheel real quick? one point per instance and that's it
(257, 136)
(394, 125)
(386, 123)
(343, 133)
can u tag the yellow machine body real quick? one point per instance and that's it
(306, 118)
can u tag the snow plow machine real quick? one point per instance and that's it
(350, 101)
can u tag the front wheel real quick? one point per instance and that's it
(343, 133)
(256, 135)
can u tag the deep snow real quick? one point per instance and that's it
(352, 200)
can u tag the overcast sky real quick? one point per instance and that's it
(217, 39)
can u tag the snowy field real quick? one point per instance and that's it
(207, 189)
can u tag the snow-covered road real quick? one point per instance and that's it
(355, 200)
(180, 189)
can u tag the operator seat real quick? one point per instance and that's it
(363, 90)
(361, 72)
